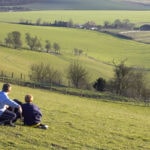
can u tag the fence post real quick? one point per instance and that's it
(21, 75)
(2, 73)
(12, 75)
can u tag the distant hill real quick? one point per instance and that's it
(15, 2)
(79, 4)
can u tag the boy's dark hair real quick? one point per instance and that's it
(5, 87)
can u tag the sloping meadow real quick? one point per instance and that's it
(79, 123)
(75, 122)
(99, 50)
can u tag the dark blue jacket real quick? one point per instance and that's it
(31, 113)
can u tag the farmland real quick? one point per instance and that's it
(76, 122)
(95, 45)
(138, 17)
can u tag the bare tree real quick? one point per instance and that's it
(77, 74)
(48, 46)
(44, 73)
(13, 39)
(56, 48)
(38, 21)
(129, 81)
(120, 79)
(33, 42)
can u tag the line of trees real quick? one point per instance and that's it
(13, 40)
(45, 73)
(77, 51)
(118, 24)
(127, 81)
(90, 25)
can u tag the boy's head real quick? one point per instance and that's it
(6, 87)
(28, 98)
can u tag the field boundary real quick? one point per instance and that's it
(105, 96)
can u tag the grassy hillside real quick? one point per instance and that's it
(74, 122)
(79, 123)
(99, 50)
(137, 17)
(97, 47)
(80, 5)
(90, 5)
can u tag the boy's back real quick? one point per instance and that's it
(31, 114)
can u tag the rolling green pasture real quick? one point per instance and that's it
(96, 45)
(138, 17)
(19, 61)
(99, 49)
(79, 123)
(74, 122)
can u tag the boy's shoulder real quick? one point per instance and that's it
(27, 105)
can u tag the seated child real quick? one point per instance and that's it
(31, 113)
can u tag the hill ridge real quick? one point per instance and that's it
(79, 5)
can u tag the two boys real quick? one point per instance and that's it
(30, 112)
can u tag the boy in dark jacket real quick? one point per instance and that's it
(31, 113)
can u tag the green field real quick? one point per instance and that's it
(138, 17)
(20, 61)
(79, 123)
(96, 46)
(76, 123)
(99, 49)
